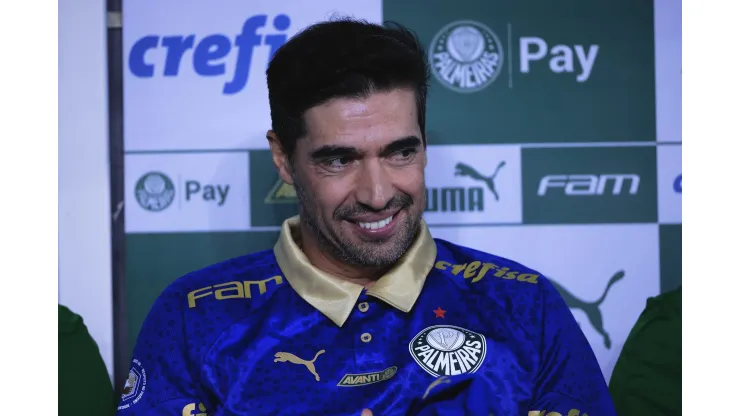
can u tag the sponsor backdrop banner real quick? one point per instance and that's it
(547, 143)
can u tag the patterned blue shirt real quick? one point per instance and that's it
(268, 333)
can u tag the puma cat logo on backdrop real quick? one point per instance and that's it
(591, 309)
(286, 356)
(461, 169)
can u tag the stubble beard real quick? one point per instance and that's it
(368, 254)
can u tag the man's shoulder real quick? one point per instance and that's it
(667, 304)
(502, 286)
(479, 268)
(227, 279)
(68, 320)
(245, 267)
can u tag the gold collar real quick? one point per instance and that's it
(335, 297)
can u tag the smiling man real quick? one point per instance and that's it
(357, 307)
(359, 177)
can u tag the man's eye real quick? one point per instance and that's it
(338, 162)
(405, 154)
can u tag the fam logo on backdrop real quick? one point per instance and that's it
(167, 55)
(591, 184)
(155, 192)
(678, 184)
(467, 56)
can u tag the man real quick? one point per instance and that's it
(647, 377)
(357, 308)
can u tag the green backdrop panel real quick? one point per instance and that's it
(589, 185)
(670, 257)
(536, 71)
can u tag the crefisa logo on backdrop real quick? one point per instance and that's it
(207, 56)
(466, 56)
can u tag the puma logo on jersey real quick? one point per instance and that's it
(291, 358)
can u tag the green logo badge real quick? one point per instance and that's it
(271, 200)
(466, 56)
(281, 193)
(591, 309)
(155, 191)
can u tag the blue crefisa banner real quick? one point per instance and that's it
(554, 140)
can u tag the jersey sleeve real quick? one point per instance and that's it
(161, 379)
(569, 381)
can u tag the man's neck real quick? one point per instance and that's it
(363, 276)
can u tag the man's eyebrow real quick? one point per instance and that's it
(333, 151)
(401, 144)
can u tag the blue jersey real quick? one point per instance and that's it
(269, 334)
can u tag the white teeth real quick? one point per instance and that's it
(377, 224)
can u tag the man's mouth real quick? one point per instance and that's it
(375, 225)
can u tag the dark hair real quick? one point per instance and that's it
(345, 58)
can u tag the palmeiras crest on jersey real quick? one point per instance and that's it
(446, 350)
(135, 385)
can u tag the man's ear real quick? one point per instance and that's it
(279, 158)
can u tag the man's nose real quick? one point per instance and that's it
(374, 185)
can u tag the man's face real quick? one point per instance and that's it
(359, 177)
